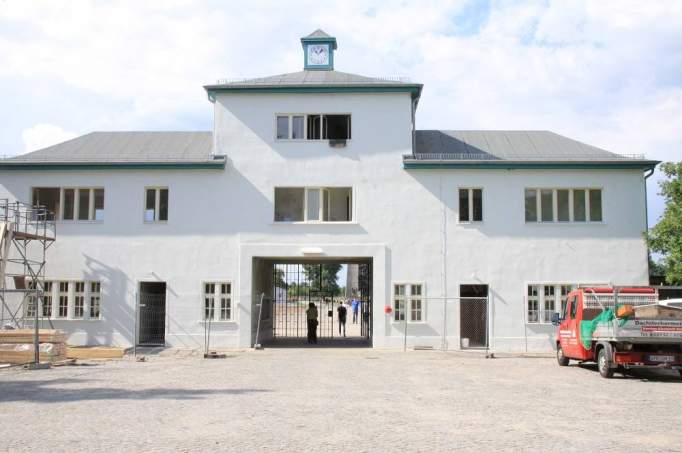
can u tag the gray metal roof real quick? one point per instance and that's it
(313, 78)
(120, 147)
(515, 146)
(318, 36)
(319, 33)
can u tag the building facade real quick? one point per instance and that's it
(323, 166)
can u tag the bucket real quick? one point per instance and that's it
(465, 343)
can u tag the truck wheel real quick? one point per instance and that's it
(603, 364)
(561, 359)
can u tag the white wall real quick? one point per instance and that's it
(220, 220)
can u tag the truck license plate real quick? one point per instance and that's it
(662, 358)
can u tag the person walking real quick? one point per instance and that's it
(355, 306)
(343, 311)
(311, 316)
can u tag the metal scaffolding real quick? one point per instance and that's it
(26, 232)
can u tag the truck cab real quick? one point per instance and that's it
(603, 325)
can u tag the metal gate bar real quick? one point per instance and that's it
(293, 291)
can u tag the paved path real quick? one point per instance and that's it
(351, 400)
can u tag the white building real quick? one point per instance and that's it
(324, 166)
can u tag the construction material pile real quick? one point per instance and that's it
(16, 346)
(94, 352)
(657, 312)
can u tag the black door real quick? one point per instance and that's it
(152, 312)
(473, 315)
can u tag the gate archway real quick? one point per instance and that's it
(296, 285)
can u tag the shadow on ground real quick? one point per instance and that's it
(349, 342)
(645, 375)
(49, 391)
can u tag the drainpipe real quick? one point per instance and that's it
(414, 125)
(646, 220)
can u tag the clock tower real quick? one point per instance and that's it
(318, 51)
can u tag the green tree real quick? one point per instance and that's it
(656, 269)
(323, 276)
(280, 282)
(666, 237)
(297, 290)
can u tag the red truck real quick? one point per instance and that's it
(619, 329)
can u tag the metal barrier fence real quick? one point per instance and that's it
(442, 323)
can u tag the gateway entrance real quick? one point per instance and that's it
(332, 287)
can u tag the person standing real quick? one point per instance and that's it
(311, 316)
(343, 311)
(355, 306)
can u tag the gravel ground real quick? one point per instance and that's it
(337, 400)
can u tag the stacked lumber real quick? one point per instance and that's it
(657, 312)
(16, 346)
(94, 352)
(26, 336)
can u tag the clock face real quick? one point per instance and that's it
(318, 54)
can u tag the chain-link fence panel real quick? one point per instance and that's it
(441, 323)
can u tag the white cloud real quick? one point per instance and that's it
(606, 72)
(44, 135)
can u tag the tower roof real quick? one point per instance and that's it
(319, 35)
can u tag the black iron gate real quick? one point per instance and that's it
(365, 298)
(152, 314)
(298, 285)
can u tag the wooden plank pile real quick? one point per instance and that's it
(94, 352)
(657, 312)
(16, 346)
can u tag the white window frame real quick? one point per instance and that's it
(60, 294)
(92, 294)
(407, 300)
(31, 302)
(81, 294)
(321, 189)
(157, 204)
(76, 203)
(470, 195)
(401, 300)
(217, 296)
(544, 316)
(50, 301)
(55, 293)
(555, 205)
(305, 126)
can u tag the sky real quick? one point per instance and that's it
(606, 72)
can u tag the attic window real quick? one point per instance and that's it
(313, 126)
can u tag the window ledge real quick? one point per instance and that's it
(470, 222)
(76, 319)
(314, 223)
(158, 222)
(316, 140)
(567, 223)
(223, 321)
(78, 222)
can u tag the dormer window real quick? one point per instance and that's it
(313, 126)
